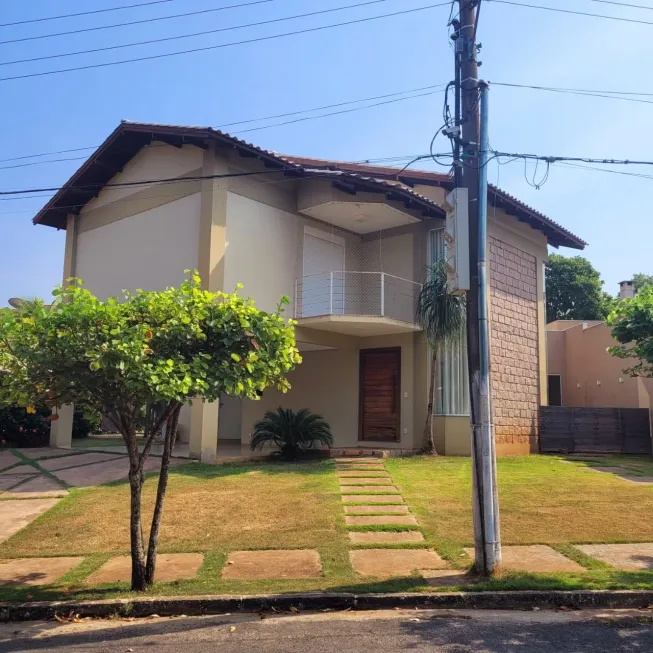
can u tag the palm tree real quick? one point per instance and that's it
(442, 316)
(292, 432)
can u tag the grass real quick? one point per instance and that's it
(215, 509)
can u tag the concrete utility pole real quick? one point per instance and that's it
(474, 171)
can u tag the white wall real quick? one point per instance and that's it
(149, 250)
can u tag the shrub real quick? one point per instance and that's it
(291, 432)
(23, 429)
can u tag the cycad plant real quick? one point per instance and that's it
(442, 317)
(292, 432)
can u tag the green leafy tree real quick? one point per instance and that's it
(168, 348)
(640, 280)
(442, 317)
(574, 290)
(632, 326)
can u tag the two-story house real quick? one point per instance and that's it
(348, 243)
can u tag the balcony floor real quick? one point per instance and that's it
(358, 325)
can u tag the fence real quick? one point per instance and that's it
(356, 293)
(594, 430)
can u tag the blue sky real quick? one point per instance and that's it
(214, 87)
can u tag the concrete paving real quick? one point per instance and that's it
(169, 567)
(7, 458)
(536, 558)
(35, 571)
(16, 514)
(386, 537)
(258, 565)
(372, 498)
(36, 453)
(383, 563)
(380, 520)
(376, 510)
(357, 473)
(39, 486)
(371, 489)
(627, 557)
(364, 480)
(54, 464)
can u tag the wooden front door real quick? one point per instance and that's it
(380, 386)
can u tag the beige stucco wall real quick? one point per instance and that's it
(579, 355)
(149, 250)
(155, 161)
(327, 383)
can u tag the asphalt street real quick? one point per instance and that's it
(345, 632)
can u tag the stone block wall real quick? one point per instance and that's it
(514, 347)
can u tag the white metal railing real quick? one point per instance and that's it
(339, 292)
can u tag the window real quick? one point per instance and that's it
(555, 389)
(451, 385)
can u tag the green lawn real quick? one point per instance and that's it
(216, 509)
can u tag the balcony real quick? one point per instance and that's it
(356, 303)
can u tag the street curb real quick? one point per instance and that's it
(208, 605)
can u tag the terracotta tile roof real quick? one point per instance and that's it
(129, 137)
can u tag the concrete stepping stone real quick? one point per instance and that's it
(362, 461)
(383, 563)
(169, 567)
(386, 537)
(376, 510)
(447, 577)
(54, 464)
(41, 486)
(357, 480)
(35, 453)
(363, 474)
(394, 499)
(627, 557)
(7, 458)
(35, 571)
(534, 558)
(368, 489)
(10, 480)
(380, 520)
(260, 565)
(18, 513)
(363, 468)
(20, 470)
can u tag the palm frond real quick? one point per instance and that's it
(440, 314)
(291, 432)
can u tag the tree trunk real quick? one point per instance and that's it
(429, 443)
(170, 437)
(135, 528)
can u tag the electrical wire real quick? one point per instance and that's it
(622, 4)
(578, 92)
(85, 13)
(221, 45)
(178, 37)
(134, 22)
(573, 12)
(250, 120)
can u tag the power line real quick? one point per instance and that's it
(571, 11)
(133, 22)
(622, 4)
(250, 120)
(85, 13)
(192, 35)
(222, 45)
(575, 92)
(556, 159)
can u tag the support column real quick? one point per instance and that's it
(211, 265)
(203, 443)
(541, 333)
(61, 430)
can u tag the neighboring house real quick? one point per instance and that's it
(581, 372)
(348, 243)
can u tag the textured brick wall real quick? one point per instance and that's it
(514, 345)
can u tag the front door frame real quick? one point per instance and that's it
(361, 380)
